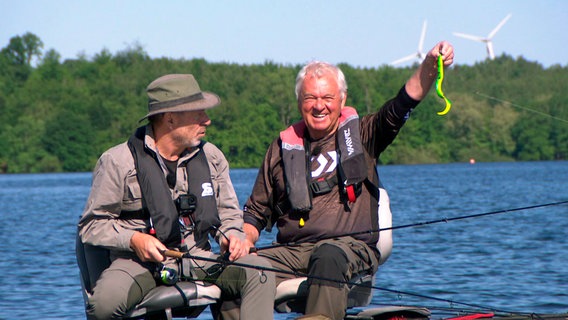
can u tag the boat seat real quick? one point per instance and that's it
(291, 294)
(163, 302)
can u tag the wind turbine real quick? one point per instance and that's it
(419, 54)
(486, 40)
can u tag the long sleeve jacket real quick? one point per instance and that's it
(115, 189)
(328, 216)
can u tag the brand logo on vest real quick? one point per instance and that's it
(348, 141)
(207, 189)
(323, 162)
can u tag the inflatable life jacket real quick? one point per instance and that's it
(351, 170)
(157, 200)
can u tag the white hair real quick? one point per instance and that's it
(319, 68)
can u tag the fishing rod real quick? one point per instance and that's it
(417, 224)
(223, 262)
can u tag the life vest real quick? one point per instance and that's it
(157, 200)
(351, 169)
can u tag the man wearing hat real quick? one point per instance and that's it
(166, 189)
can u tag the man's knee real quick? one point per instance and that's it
(328, 265)
(258, 261)
(235, 279)
(101, 307)
(116, 293)
(108, 303)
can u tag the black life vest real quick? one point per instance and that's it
(352, 168)
(157, 199)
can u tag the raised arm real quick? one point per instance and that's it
(421, 81)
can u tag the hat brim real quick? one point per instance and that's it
(210, 100)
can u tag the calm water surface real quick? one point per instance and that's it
(514, 261)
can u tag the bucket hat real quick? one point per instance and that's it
(177, 93)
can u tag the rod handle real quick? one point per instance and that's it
(173, 254)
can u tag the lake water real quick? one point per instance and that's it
(514, 261)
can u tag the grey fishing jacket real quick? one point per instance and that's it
(115, 189)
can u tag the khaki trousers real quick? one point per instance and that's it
(127, 281)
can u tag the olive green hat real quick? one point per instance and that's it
(176, 93)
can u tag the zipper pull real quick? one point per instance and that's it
(152, 230)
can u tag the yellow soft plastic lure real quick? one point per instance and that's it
(439, 86)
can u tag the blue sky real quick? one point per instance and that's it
(360, 33)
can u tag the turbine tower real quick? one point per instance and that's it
(487, 40)
(419, 55)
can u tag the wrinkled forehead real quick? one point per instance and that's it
(317, 82)
(320, 70)
(322, 79)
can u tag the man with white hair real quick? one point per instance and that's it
(318, 182)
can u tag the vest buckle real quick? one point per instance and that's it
(322, 186)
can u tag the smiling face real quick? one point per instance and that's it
(320, 102)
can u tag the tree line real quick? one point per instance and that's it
(59, 116)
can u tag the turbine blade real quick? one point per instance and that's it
(470, 37)
(407, 58)
(490, 51)
(499, 26)
(422, 36)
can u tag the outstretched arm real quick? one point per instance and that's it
(421, 81)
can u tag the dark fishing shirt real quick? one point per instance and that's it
(329, 215)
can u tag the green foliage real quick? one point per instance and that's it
(60, 116)
(21, 50)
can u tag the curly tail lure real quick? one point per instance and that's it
(439, 86)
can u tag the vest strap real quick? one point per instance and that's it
(205, 215)
(156, 196)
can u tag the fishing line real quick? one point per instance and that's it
(418, 224)
(477, 215)
(223, 263)
(519, 106)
